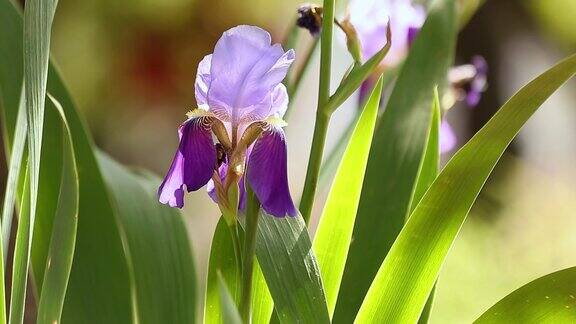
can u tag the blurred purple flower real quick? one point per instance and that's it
(370, 19)
(448, 139)
(241, 101)
(468, 82)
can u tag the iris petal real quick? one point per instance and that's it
(245, 69)
(267, 173)
(447, 137)
(203, 80)
(193, 163)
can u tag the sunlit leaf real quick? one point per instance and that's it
(408, 273)
(285, 256)
(334, 232)
(548, 299)
(222, 263)
(230, 314)
(395, 157)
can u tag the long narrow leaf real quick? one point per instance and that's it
(285, 256)
(63, 238)
(38, 16)
(98, 289)
(548, 299)
(230, 314)
(396, 155)
(20, 263)
(157, 248)
(16, 156)
(426, 175)
(262, 304)
(406, 277)
(222, 263)
(334, 232)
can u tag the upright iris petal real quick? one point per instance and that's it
(241, 101)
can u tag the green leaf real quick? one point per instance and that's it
(63, 238)
(38, 16)
(157, 247)
(20, 263)
(230, 314)
(222, 263)
(426, 175)
(548, 299)
(395, 156)
(262, 304)
(406, 277)
(100, 286)
(285, 256)
(334, 232)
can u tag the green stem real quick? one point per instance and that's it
(252, 213)
(322, 115)
(314, 163)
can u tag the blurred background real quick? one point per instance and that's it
(131, 66)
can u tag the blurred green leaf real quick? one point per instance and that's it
(230, 314)
(157, 247)
(222, 263)
(100, 288)
(285, 256)
(548, 299)
(334, 232)
(395, 157)
(63, 238)
(408, 273)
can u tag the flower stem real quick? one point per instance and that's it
(314, 163)
(322, 115)
(252, 213)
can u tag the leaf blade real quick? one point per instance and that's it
(395, 157)
(548, 299)
(410, 269)
(284, 252)
(334, 232)
(63, 238)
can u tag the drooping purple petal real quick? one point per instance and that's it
(268, 175)
(447, 137)
(245, 69)
(193, 163)
(203, 81)
(211, 188)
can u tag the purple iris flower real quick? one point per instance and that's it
(468, 82)
(371, 17)
(241, 101)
